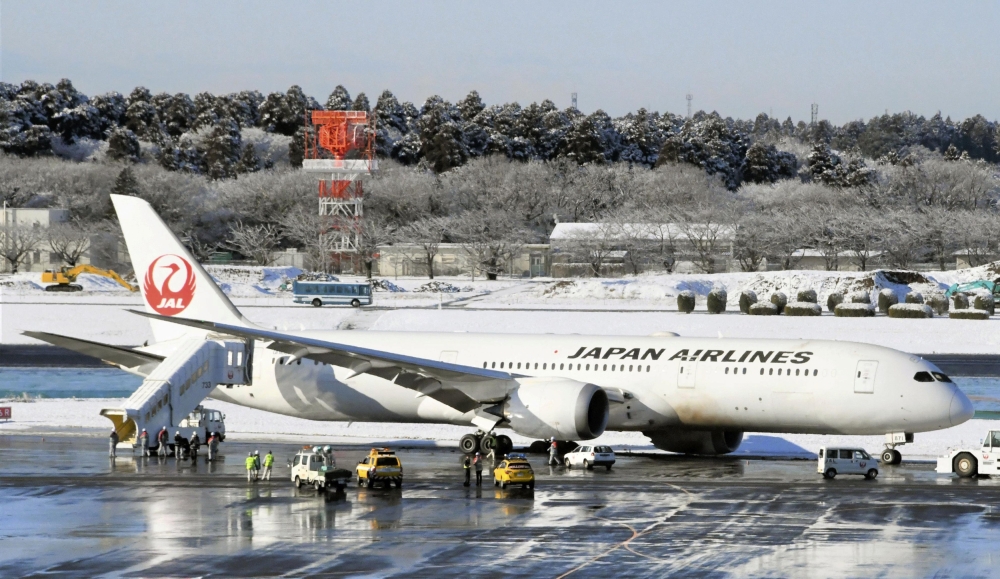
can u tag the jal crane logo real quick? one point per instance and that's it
(169, 284)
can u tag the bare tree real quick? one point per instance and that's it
(862, 233)
(18, 241)
(903, 242)
(492, 239)
(978, 235)
(375, 231)
(68, 241)
(427, 234)
(751, 242)
(257, 242)
(663, 234)
(306, 227)
(708, 229)
(595, 243)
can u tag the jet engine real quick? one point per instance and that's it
(711, 442)
(557, 407)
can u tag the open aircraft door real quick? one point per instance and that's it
(864, 377)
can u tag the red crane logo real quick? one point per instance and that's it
(166, 292)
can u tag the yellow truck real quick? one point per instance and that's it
(380, 466)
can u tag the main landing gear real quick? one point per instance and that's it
(890, 455)
(485, 442)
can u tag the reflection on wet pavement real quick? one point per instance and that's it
(67, 511)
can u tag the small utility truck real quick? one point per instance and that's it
(315, 466)
(972, 462)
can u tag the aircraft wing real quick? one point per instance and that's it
(464, 388)
(117, 355)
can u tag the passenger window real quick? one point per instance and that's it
(296, 461)
(518, 365)
(501, 365)
(727, 370)
(630, 367)
(605, 367)
(536, 365)
(922, 377)
(770, 371)
(845, 454)
(560, 366)
(545, 366)
(796, 372)
(744, 370)
(588, 366)
(761, 371)
(815, 372)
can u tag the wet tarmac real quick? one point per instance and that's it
(67, 511)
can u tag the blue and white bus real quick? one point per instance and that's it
(320, 293)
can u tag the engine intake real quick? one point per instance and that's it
(557, 407)
(710, 442)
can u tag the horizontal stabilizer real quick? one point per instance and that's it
(117, 355)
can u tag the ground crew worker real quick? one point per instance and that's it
(268, 463)
(161, 439)
(144, 443)
(467, 465)
(256, 464)
(177, 444)
(479, 469)
(212, 444)
(113, 442)
(553, 452)
(250, 462)
(195, 444)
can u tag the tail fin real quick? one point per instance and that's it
(172, 282)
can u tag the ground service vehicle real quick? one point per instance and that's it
(316, 466)
(969, 462)
(206, 419)
(834, 461)
(590, 456)
(65, 278)
(320, 293)
(515, 469)
(380, 466)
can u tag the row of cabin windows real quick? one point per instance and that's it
(770, 371)
(564, 366)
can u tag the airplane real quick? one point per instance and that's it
(688, 395)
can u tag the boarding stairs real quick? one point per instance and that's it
(179, 384)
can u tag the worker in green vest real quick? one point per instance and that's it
(268, 463)
(251, 462)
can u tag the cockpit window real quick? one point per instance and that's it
(923, 377)
(941, 377)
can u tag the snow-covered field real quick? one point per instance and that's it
(81, 416)
(632, 305)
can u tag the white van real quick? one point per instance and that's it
(834, 461)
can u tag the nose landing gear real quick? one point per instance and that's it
(890, 455)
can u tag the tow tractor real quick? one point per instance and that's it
(969, 462)
(314, 465)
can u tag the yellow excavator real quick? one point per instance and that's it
(64, 279)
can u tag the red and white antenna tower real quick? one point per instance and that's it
(341, 149)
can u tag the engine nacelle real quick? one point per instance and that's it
(711, 442)
(557, 407)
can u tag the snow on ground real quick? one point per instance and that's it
(512, 305)
(68, 416)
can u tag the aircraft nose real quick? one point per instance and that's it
(961, 408)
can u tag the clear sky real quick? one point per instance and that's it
(855, 59)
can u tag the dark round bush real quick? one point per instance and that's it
(833, 300)
(806, 296)
(910, 311)
(685, 302)
(886, 299)
(854, 310)
(860, 298)
(985, 302)
(914, 298)
(779, 299)
(717, 301)
(961, 301)
(763, 309)
(938, 303)
(803, 309)
(747, 299)
(968, 314)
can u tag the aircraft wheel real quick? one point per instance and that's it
(317, 303)
(488, 443)
(504, 444)
(355, 303)
(830, 473)
(887, 456)
(871, 474)
(468, 443)
(966, 465)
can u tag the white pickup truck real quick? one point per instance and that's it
(969, 463)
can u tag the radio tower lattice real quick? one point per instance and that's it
(689, 97)
(574, 101)
(815, 113)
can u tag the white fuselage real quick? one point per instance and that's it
(807, 386)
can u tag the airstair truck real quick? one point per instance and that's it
(176, 387)
(971, 462)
